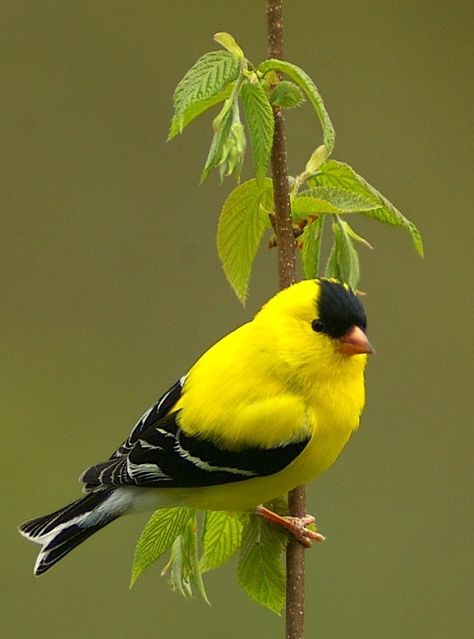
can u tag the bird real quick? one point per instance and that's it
(265, 409)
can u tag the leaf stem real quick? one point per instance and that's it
(286, 276)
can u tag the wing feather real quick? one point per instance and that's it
(158, 453)
(159, 410)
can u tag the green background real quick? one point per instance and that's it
(111, 287)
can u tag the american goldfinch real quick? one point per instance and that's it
(267, 408)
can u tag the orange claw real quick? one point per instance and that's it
(296, 526)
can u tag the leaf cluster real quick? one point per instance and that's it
(325, 189)
(196, 546)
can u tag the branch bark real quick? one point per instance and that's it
(284, 230)
(286, 275)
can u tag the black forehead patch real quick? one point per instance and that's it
(339, 309)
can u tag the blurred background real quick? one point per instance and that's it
(111, 287)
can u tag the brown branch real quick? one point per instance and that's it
(295, 570)
(284, 230)
(286, 275)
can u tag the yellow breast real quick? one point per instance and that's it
(243, 393)
(331, 427)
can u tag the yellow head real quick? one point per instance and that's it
(316, 329)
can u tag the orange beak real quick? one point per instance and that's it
(355, 342)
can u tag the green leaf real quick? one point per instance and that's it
(302, 79)
(220, 145)
(233, 151)
(207, 78)
(344, 200)
(179, 567)
(243, 219)
(229, 43)
(349, 268)
(332, 268)
(287, 95)
(260, 569)
(259, 116)
(343, 262)
(318, 157)
(324, 201)
(228, 144)
(164, 526)
(196, 572)
(338, 174)
(304, 205)
(311, 250)
(183, 566)
(221, 538)
(358, 238)
(195, 109)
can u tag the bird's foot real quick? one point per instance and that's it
(296, 526)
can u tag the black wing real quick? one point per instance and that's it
(164, 456)
(158, 411)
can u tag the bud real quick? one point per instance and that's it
(228, 42)
(317, 158)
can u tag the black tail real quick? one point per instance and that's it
(68, 527)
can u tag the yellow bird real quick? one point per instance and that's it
(267, 408)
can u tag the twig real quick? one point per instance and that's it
(284, 229)
(287, 276)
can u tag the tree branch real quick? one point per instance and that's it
(286, 275)
(284, 230)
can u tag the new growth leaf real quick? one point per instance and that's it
(242, 222)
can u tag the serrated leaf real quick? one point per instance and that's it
(338, 174)
(195, 109)
(304, 205)
(302, 79)
(221, 538)
(287, 95)
(243, 219)
(259, 116)
(205, 79)
(343, 200)
(163, 527)
(260, 569)
(343, 262)
(229, 43)
(311, 250)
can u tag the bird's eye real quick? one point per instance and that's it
(317, 326)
